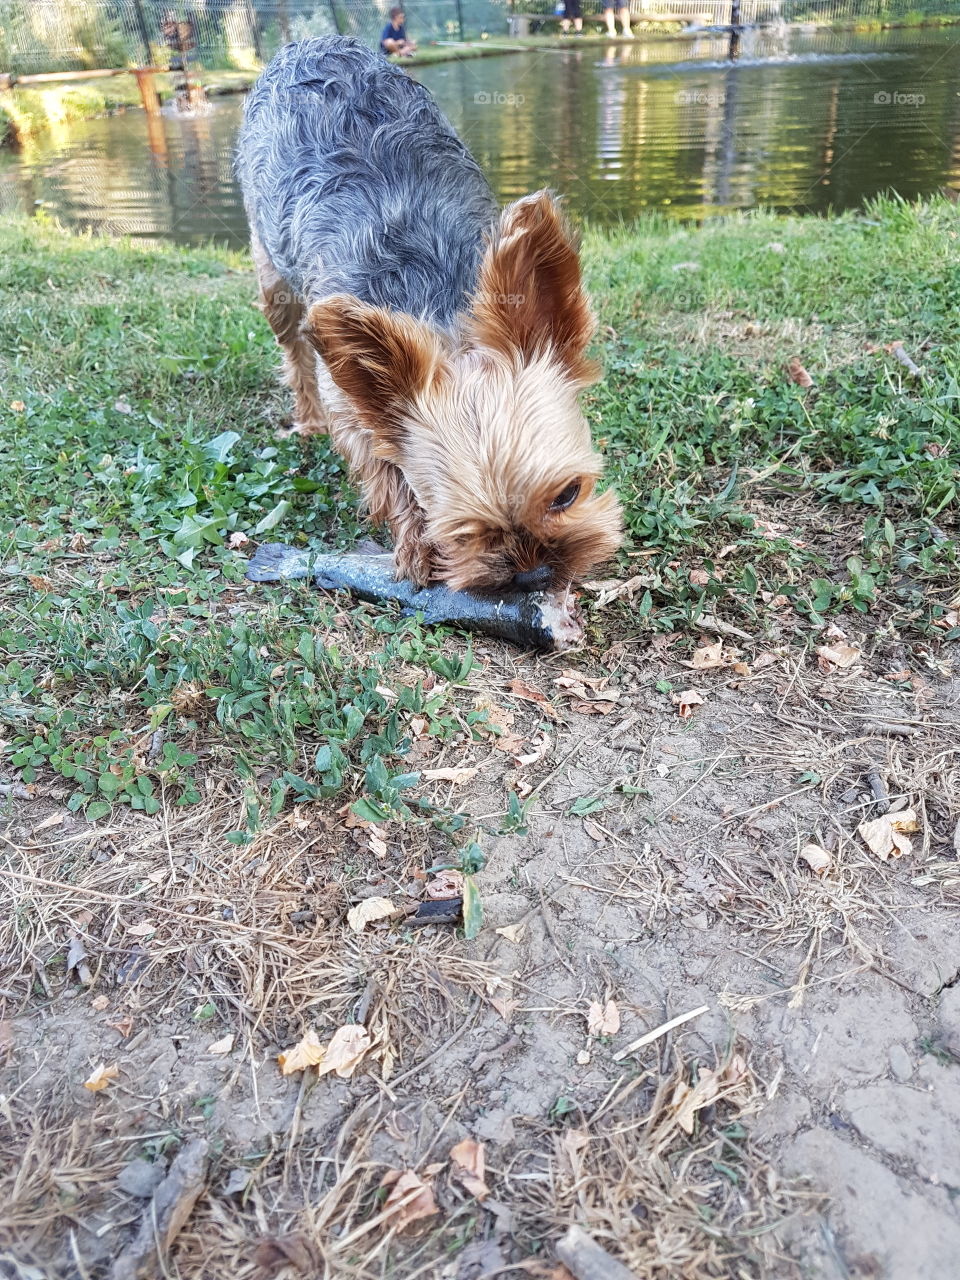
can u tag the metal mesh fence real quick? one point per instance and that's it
(61, 35)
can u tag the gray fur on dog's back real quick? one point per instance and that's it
(355, 183)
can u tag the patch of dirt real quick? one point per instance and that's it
(806, 1121)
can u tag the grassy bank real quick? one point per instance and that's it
(139, 440)
(27, 111)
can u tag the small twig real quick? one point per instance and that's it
(662, 1030)
(548, 925)
(491, 1055)
(878, 790)
(891, 730)
(363, 1004)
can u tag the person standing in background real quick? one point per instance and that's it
(571, 12)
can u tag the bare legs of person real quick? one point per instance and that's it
(404, 48)
(624, 15)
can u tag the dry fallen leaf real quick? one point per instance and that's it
(368, 910)
(410, 1198)
(497, 718)
(583, 1057)
(816, 858)
(699, 577)
(342, 1055)
(376, 842)
(525, 691)
(221, 1047)
(101, 1077)
(610, 589)
(707, 657)
(469, 1166)
(541, 749)
(141, 930)
(444, 886)
(513, 932)
(593, 708)
(688, 1100)
(17, 406)
(840, 655)
(773, 531)
(100, 1003)
(686, 701)
(307, 1053)
(458, 776)
(53, 820)
(885, 836)
(574, 684)
(798, 374)
(603, 1019)
(505, 1006)
(123, 1026)
(236, 540)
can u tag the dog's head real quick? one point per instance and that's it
(486, 429)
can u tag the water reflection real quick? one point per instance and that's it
(795, 120)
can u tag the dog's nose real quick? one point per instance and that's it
(533, 579)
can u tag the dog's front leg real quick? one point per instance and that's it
(392, 502)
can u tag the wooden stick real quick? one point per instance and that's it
(581, 1255)
(657, 1032)
(165, 1215)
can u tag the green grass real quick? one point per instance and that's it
(708, 434)
(138, 432)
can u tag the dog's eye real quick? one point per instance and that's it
(566, 497)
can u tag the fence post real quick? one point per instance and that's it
(144, 32)
(460, 17)
(333, 14)
(283, 20)
(254, 31)
(734, 13)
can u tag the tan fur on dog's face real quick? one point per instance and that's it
(486, 430)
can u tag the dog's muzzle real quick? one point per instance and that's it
(533, 579)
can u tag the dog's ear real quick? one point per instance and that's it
(529, 294)
(382, 360)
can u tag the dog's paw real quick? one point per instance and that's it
(414, 560)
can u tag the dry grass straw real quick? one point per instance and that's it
(669, 1205)
(259, 927)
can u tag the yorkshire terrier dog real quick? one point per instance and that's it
(440, 342)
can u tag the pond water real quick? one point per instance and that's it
(799, 120)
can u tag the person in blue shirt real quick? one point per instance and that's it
(393, 38)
